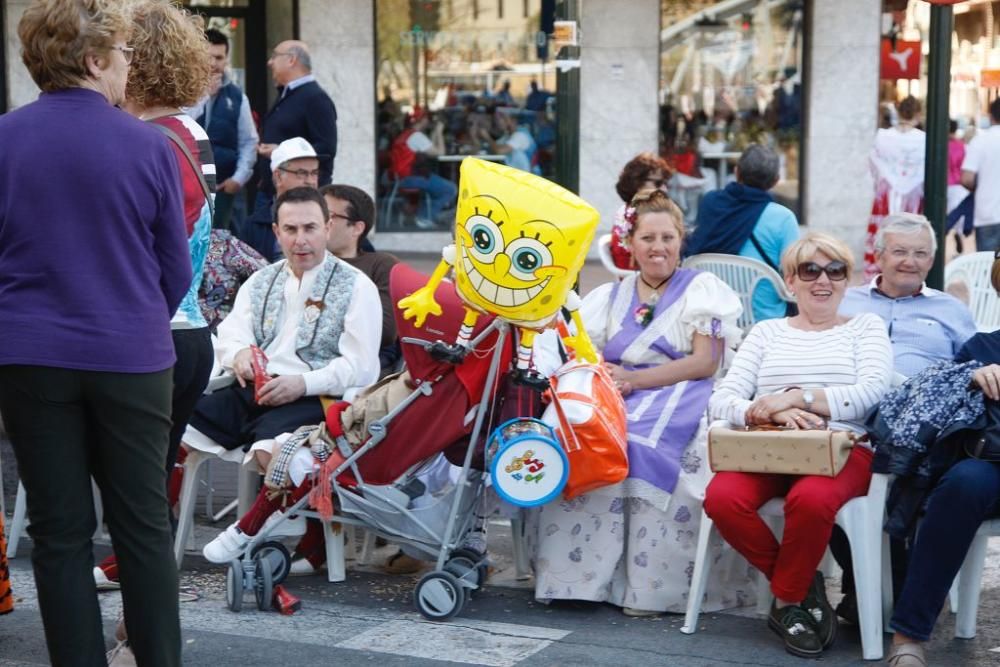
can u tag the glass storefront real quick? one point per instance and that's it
(457, 78)
(730, 75)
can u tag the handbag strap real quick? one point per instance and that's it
(565, 426)
(194, 165)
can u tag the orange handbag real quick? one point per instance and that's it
(588, 413)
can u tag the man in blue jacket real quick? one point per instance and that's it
(225, 115)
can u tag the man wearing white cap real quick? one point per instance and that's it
(294, 164)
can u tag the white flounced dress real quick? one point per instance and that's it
(633, 544)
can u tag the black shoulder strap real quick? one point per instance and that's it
(760, 250)
(190, 158)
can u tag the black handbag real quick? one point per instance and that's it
(985, 445)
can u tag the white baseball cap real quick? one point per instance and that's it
(291, 149)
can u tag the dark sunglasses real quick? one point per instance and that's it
(810, 271)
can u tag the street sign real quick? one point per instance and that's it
(903, 62)
(566, 33)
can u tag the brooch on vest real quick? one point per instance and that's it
(314, 308)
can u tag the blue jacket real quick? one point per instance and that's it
(223, 129)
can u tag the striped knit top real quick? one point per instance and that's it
(851, 362)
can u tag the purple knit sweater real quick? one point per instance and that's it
(93, 251)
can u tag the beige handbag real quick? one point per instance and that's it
(778, 449)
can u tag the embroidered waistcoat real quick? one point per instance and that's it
(322, 322)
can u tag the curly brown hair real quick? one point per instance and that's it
(58, 35)
(636, 171)
(171, 64)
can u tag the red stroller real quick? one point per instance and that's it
(447, 408)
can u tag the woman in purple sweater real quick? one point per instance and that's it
(93, 263)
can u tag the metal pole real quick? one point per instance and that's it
(936, 155)
(568, 108)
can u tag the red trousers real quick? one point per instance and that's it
(811, 504)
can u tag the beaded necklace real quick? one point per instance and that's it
(644, 313)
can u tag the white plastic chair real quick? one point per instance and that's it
(743, 275)
(246, 485)
(604, 251)
(967, 584)
(974, 271)
(19, 521)
(861, 518)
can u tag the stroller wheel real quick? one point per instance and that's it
(263, 584)
(439, 596)
(465, 571)
(477, 560)
(276, 554)
(234, 586)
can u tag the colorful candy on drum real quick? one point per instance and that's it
(527, 465)
(520, 242)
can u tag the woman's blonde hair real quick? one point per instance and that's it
(170, 66)
(58, 35)
(654, 201)
(807, 246)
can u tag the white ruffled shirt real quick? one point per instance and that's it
(358, 363)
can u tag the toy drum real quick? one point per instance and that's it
(528, 466)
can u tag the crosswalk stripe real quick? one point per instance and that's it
(320, 623)
(462, 640)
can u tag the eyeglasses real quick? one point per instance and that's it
(127, 52)
(810, 271)
(345, 218)
(657, 182)
(301, 173)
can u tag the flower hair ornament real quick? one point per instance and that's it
(624, 226)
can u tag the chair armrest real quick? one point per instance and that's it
(219, 382)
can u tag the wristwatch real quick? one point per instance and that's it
(808, 398)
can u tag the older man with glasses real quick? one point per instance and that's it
(302, 109)
(925, 326)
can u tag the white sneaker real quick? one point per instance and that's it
(227, 546)
(301, 567)
(102, 581)
(290, 527)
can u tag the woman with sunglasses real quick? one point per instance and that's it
(811, 371)
(663, 332)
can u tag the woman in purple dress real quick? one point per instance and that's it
(664, 332)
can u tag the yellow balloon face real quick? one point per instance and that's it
(520, 242)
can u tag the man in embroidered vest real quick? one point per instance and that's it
(225, 115)
(317, 319)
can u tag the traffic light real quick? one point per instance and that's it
(425, 14)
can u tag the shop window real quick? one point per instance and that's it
(454, 83)
(730, 75)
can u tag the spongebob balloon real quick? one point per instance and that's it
(520, 242)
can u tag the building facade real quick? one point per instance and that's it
(636, 67)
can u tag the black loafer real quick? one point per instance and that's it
(797, 629)
(819, 608)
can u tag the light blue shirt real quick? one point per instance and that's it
(925, 328)
(776, 229)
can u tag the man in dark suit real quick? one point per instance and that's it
(302, 109)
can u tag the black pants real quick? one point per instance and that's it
(66, 425)
(193, 348)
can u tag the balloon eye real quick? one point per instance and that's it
(483, 239)
(527, 260)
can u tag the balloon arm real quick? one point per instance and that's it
(421, 303)
(581, 342)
